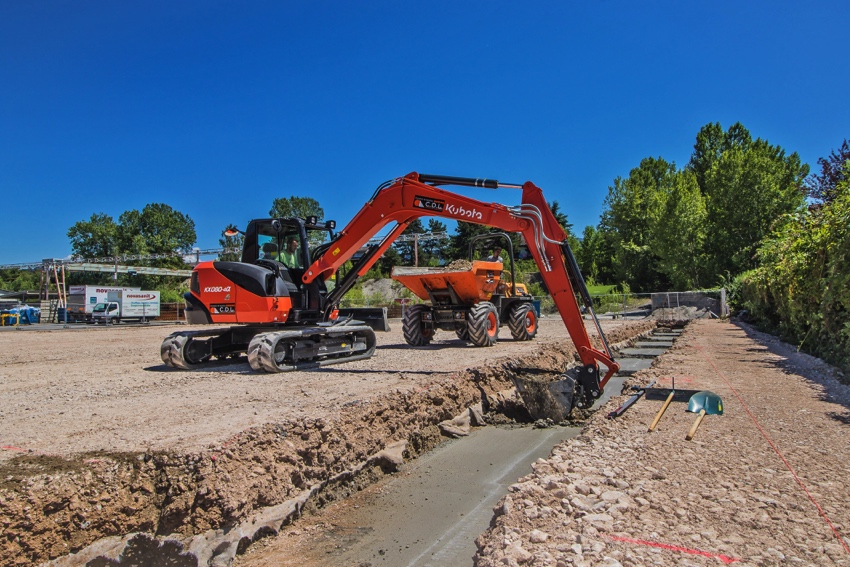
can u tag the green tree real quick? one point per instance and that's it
(16, 279)
(746, 191)
(300, 207)
(156, 230)
(405, 244)
(747, 184)
(633, 209)
(435, 249)
(94, 238)
(459, 243)
(385, 263)
(679, 235)
(711, 143)
(561, 217)
(801, 287)
(826, 186)
(589, 254)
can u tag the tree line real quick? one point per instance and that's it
(799, 287)
(742, 213)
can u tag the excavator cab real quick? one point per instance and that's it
(282, 246)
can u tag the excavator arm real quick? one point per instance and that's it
(417, 195)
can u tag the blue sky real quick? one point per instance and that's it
(217, 107)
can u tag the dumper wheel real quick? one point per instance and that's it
(522, 320)
(483, 324)
(462, 332)
(415, 331)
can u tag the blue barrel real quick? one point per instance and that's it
(536, 304)
(61, 315)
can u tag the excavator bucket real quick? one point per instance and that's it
(544, 399)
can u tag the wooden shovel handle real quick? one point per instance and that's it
(693, 430)
(661, 412)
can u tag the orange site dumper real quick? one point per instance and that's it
(471, 299)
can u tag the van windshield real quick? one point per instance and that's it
(100, 307)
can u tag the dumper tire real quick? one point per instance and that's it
(415, 331)
(483, 324)
(462, 331)
(522, 321)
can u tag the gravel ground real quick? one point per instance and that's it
(109, 442)
(99, 439)
(106, 389)
(763, 484)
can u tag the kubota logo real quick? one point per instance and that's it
(217, 289)
(461, 212)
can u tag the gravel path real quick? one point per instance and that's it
(763, 484)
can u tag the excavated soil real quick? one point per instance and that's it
(766, 483)
(100, 441)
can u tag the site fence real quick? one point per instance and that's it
(172, 311)
(662, 305)
(671, 305)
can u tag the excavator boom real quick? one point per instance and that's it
(417, 195)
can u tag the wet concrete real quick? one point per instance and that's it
(642, 352)
(653, 344)
(629, 366)
(432, 511)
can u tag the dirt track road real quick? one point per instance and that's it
(106, 389)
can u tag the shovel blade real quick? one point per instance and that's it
(705, 400)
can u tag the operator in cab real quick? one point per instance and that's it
(291, 255)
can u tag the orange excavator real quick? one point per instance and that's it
(284, 316)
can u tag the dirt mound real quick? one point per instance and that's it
(682, 314)
(383, 287)
(459, 266)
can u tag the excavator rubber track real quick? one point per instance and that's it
(271, 351)
(310, 347)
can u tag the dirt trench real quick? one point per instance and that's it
(204, 506)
